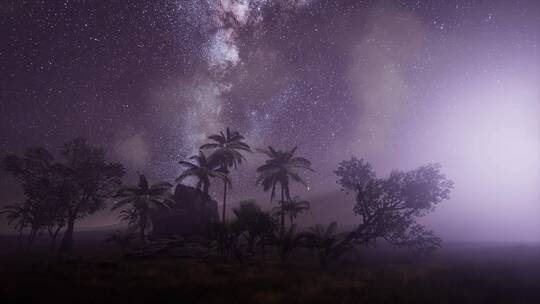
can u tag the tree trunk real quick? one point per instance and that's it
(282, 210)
(142, 228)
(31, 238)
(54, 235)
(21, 240)
(224, 202)
(323, 260)
(291, 213)
(67, 242)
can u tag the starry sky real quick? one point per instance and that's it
(400, 83)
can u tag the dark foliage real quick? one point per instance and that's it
(280, 168)
(141, 199)
(226, 153)
(388, 207)
(60, 192)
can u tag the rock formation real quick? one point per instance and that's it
(190, 215)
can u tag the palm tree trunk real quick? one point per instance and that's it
(224, 202)
(291, 213)
(31, 238)
(21, 239)
(282, 210)
(142, 227)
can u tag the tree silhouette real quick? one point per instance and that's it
(252, 223)
(37, 215)
(35, 170)
(278, 169)
(129, 215)
(142, 198)
(60, 192)
(204, 169)
(293, 207)
(326, 242)
(92, 180)
(227, 149)
(388, 207)
(19, 215)
(287, 242)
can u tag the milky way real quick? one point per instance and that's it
(384, 80)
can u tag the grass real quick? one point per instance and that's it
(377, 277)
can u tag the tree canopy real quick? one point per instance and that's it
(67, 189)
(388, 207)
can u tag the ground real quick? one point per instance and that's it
(459, 273)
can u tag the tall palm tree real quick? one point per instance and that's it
(142, 198)
(204, 169)
(227, 147)
(294, 207)
(278, 169)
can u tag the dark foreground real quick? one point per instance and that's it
(460, 273)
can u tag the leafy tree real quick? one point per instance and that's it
(328, 244)
(142, 198)
(42, 183)
(37, 215)
(35, 171)
(388, 207)
(61, 192)
(279, 169)
(204, 169)
(92, 180)
(227, 149)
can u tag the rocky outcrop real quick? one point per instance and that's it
(190, 215)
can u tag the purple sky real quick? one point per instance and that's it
(400, 83)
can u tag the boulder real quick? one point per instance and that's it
(190, 215)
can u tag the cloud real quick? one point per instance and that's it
(379, 83)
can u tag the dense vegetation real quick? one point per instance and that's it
(61, 191)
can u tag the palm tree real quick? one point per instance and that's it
(142, 198)
(328, 244)
(253, 223)
(293, 207)
(19, 215)
(278, 169)
(204, 169)
(287, 242)
(129, 215)
(227, 147)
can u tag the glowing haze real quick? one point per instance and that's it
(400, 83)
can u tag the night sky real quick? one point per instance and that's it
(400, 83)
